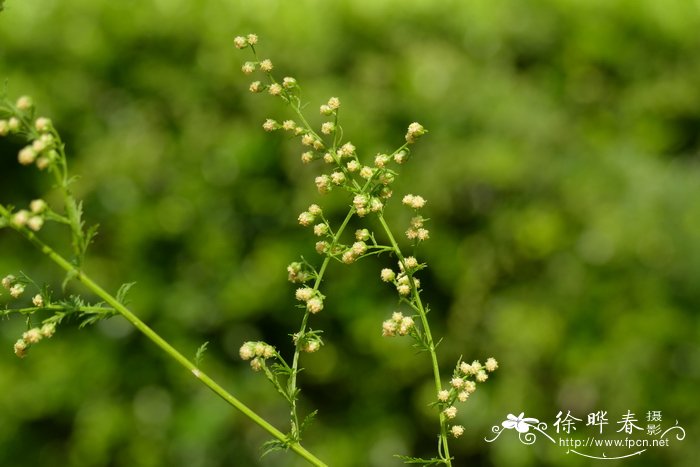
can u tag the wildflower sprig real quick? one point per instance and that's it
(369, 186)
(46, 152)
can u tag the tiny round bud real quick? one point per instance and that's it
(491, 364)
(289, 125)
(443, 395)
(24, 103)
(457, 383)
(38, 300)
(42, 124)
(268, 351)
(410, 262)
(315, 209)
(349, 257)
(240, 42)
(388, 275)
(457, 430)
(306, 218)
(463, 396)
(353, 166)
(334, 103)
(38, 206)
(32, 336)
(8, 281)
(248, 68)
(338, 178)
(256, 87)
(289, 82)
(414, 131)
(266, 65)
(275, 89)
(366, 172)
(246, 351)
(48, 329)
(13, 124)
(405, 325)
(381, 160)
(450, 412)
(256, 364)
(43, 162)
(308, 139)
(469, 386)
(327, 128)
(314, 305)
(322, 247)
(304, 294)
(259, 348)
(375, 205)
(4, 127)
(346, 150)
(362, 235)
(20, 348)
(307, 157)
(252, 39)
(323, 183)
(359, 248)
(320, 230)
(270, 125)
(35, 223)
(27, 155)
(20, 218)
(311, 346)
(388, 328)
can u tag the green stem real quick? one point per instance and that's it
(163, 344)
(428, 336)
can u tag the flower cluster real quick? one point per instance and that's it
(462, 385)
(404, 281)
(257, 353)
(42, 150)
(16, 288)
(398, 325)
(308, 342)
(33, 336)
(34, 217)
(312, 297)
(297, 272)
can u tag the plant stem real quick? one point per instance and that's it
(162, 343)
(428, 336)
(302, 330)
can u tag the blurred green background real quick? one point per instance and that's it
(563, 182)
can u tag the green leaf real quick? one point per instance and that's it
(123, 291)
(272, 446)
(420, 461)
(200, 354)
(308, 420)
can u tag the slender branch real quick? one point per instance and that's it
(302, 330)
(428, 336)
(162, 343)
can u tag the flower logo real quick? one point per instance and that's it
(521, 424)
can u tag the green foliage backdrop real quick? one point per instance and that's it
(562, 176)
